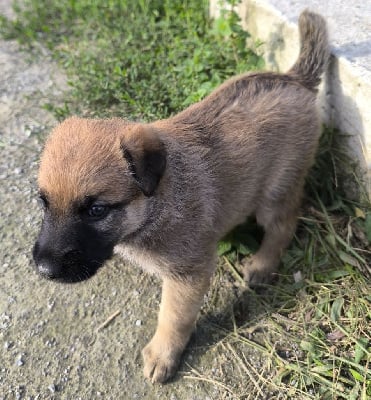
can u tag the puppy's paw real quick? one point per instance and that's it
(256, 273)
(161, 359)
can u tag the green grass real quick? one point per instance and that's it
(303, 338)
(144, 59)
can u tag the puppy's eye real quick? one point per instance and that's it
(43, 201)
(98, 211)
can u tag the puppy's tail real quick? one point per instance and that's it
(314, 50)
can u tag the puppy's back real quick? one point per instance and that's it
(263, 125)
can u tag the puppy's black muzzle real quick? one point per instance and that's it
(68, 266)
(69, 252)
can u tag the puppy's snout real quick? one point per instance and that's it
(53, 264)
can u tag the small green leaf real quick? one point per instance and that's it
(348, 259)
(331, 239)
(222, 27)
(323, 369)
(336, 308)
(359, 351)
(243, 250)
(359, 213)
(307, 346)
(224, 247)
(337, 274)
(356, 375)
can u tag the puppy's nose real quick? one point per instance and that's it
(53, 264)
(47, 270)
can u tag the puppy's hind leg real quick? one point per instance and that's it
(180, 304)
(279, 223)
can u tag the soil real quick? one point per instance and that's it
(54, 343)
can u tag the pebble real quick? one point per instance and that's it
(52, 388)
(138, 322)
(19, 361)
(298, 276)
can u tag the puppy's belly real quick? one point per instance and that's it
(140, 258)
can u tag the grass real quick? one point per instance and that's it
(143, 59)
(306, 337)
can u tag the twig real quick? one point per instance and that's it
(234, 271)
(108, 320)
(250, 375)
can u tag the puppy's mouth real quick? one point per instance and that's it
(64, 274)
(71, 267)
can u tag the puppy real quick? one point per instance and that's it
(163, 193)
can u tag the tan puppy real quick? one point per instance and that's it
(162, 194)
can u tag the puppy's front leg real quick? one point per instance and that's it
(180, 304)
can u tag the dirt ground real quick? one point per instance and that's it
(52, 341)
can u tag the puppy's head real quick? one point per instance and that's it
(96, 178)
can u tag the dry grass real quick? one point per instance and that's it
(310, 331)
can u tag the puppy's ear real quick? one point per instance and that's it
(145, 155)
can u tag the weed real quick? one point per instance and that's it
(144, 59)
